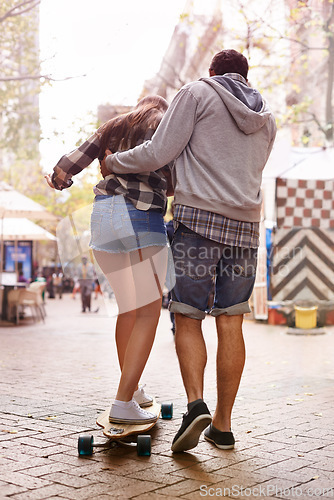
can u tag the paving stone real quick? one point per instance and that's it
(181, 488)
(92, 491)
(319, 488)
(301, 475)
(205, 477)
(323, 474)
(136, 489)
(7, 489)
(158, 476)
(52, 389)
(19, 466)
(67, 479)
(156, 496)
(275, 487)
(20, 479)
(214, 465)
(47, 492)
(72, 459)
(43, 470)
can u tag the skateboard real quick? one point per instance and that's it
(123, 432)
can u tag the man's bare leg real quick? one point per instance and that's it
(191, 352)
(230, 364)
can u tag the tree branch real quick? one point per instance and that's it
(293, 40)
(315, 119)
(281, 36)
(36, 77)
(15, 12)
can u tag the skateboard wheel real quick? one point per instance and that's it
(144, 446)
(167, 410)
(85, 445)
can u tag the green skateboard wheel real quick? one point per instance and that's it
(144, 446)
(85, 445)
(167, 410)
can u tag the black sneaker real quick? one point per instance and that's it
(194, 422)
(223, 440)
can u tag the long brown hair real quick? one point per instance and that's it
(127, 130)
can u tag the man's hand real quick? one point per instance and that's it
(47, 177)
(103, 169)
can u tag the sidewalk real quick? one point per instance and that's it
(56, 377)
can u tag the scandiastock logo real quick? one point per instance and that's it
(135, 278)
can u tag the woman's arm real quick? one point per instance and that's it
(74, 162)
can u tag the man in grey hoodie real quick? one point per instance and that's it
(220, 132)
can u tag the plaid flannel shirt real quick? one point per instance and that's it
(218, 228)
(147, 191)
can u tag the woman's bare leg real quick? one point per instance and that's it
(138, 349)
(124, 326)
(117, 269)
(139, 293)
(149, 271)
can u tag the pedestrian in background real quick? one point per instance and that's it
(58, 283)
(86, 278)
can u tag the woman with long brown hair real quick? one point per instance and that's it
(128, 239)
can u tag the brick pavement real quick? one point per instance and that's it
(55, 378)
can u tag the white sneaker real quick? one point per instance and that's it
(142, 398)
(130, 413)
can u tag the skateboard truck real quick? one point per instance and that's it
(86, 445)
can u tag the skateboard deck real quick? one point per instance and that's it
(120, 431)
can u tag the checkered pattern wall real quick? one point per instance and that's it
(305, 203)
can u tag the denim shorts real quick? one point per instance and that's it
(203, 266)
(118, 227)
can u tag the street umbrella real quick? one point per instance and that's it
(16, 205)
(299, 163)
(24, 229)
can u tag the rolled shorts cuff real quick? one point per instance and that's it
(129, 249)
(234, 310)
(186, 310)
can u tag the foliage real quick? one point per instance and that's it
(20, 85)
(19, 78)
(291, 44)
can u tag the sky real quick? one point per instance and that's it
(117, 44)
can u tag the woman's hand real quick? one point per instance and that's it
(103, 169)
(47, 177)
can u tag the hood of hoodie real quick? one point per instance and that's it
(244, 103)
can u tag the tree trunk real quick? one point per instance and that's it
(330, 78)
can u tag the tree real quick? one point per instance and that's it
(20, 85)
(19, 81)
(303, 40)
(290, 47)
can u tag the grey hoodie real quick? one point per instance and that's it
(220, 133)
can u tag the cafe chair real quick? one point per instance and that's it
(39, 287)
(20, 299)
